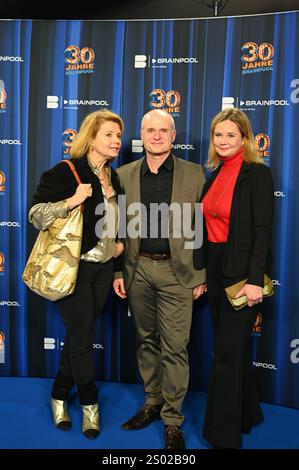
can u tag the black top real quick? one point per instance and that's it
(156, 188)
(59, 183)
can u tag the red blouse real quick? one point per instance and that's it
(218, 200)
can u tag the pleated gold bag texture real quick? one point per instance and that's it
(52, 268)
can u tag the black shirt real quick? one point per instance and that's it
(156, 188)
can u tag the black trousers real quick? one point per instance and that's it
(233, 396)
(79, 312)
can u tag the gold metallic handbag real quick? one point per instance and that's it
(52, 268)
(241, 302)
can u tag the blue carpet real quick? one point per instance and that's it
(26, 421)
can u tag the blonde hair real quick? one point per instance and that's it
(237, 116)
(89, 129)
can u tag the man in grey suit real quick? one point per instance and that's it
(158, 276)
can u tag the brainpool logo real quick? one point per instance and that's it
(142, 61)
(55, 102)
(279, 194)
(256, 103)
(265, 365)
(10, 142)
(56, 343)
(3, 97)
(67, 139)
(9, 303)
(52, 343)
(229, 102)
(11, 58)
(257, 58)
(167, 101)
(137, 146)
(183, 147)
(78, 60)
(9, 223)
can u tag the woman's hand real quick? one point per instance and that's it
(119, 288)
(119, 249)
(254, 294)
(83, 191)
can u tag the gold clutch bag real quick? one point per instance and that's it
(52, 267)
(241, 302)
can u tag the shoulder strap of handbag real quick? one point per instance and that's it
(72, 167)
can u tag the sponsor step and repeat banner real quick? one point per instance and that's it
(53, 73)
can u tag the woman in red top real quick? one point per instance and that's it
(237, 207)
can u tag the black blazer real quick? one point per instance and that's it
(247, 252)
(59, 183)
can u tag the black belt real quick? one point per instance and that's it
(156, 256)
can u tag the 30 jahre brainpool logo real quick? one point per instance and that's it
(67, 139)
(257, 58)
(2, 182)
(3, 97)
(78, 61)
(262, 141)
(168, 101)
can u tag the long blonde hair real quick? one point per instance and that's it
(89, 129)
(237, 116)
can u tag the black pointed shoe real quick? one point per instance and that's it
(174, 437)
(143, 418)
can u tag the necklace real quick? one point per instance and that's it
(97, 168)
(211, 192)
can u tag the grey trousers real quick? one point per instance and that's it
(162, 311)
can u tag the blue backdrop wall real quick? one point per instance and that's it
(53, 73)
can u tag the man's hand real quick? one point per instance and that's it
(119, 288)
(199, 290)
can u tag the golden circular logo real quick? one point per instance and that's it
(2, 177)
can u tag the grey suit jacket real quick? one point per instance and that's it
(188, 181)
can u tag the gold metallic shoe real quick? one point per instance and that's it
(61, 417)
(91, 421)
